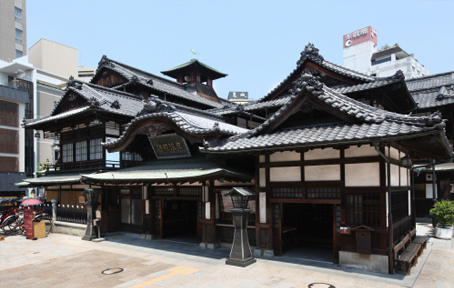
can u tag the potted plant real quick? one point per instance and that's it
(443, 212)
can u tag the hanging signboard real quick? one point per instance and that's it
(169, 146)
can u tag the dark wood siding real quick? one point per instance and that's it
(10, 164)
(9, 114)
(9, 141)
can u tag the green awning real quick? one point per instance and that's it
(171, 171)
(62, 179)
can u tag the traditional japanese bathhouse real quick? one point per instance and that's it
(152, 175)
(328, 169)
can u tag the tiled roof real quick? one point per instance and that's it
(318, 135)
(311, 53)
(99, 97)
(430, 82)
(379, 82)
(434, 97)
(251, 106)
(193, 61)
(432, 91)
(372, 122)
(155, 82)
(29, 123)
(189, 121)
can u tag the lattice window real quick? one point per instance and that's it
(67, 152)
(190, 191)
(164, 191)
(95, 149)
(276, 215)
(323, 193)
(157, 209)
(399, 205)
(130, 156)
(295, 192)
(363, 209)
(81, 151)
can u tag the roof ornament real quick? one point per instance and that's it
(194, 53)
(206, 145)
(150, 81)
(154, 105)
(398, 75)
(104, 61)
(216, 126)
(239, 108)
(94, 102)
(115, 104)
(443, 93)
(73, 83)
(433, 119)
(310, 52)
(309, 82)
(135, 80)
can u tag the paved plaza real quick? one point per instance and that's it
(127, 261)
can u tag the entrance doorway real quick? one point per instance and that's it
(179, 221)
(307, 231)
(131, 209)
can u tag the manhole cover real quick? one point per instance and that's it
(111, 271)
(320, 285)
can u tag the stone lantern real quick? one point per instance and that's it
(241, 254)
(91, 204)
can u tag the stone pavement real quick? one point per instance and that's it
(67, 261)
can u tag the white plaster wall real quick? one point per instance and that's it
(362, 174)
(262, 197)
(404, 181)
(327, 153)
(262, 159)
(362, 151)
(394, 175)
(262, 177)
(283, 174)
(322, 173)
(285, 156)
(409, 202)
(394, 153)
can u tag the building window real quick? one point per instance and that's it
(379, 61)
(413, 68)
(18, 54)
(419, 72)
(130, 156)
(81, 151)
(18, 36)
(95, 149)
(17, 15)
(67, 152)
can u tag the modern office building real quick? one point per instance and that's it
(361, 53)
(13, 29)
(54, 57)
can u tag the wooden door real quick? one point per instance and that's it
(199, 223)
(277, 228)
(157, 223)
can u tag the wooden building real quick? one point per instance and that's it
(322, 151)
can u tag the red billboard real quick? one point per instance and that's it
(360, 36)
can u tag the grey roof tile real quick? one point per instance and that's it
(155, 82)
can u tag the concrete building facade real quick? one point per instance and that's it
(13, 29)
(362, 54)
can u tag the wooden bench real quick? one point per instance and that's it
(410, 256)
(422, 240)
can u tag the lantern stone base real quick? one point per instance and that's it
(240, 263)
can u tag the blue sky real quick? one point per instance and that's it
(256, 42)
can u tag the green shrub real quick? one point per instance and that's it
(443, 212)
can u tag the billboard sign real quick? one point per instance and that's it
(360, 36)
(238, 96)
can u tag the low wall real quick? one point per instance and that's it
(68, 228)
(373, 262)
